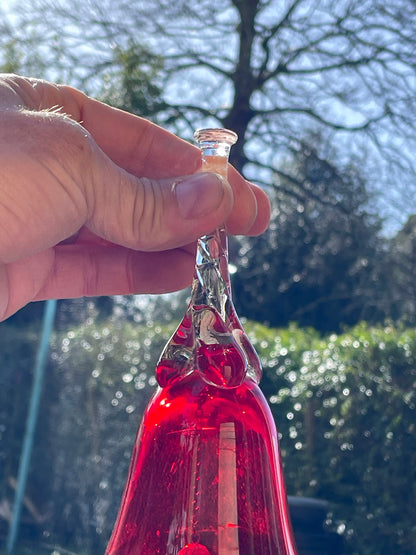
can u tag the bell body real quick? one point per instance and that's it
(205, 477)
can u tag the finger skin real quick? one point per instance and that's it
(143, 148)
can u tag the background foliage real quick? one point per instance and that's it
(322, 94)
(345, 406)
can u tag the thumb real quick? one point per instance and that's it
(151, 215)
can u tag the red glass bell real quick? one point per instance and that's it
(205, 476)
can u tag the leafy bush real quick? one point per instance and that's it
(345, 407)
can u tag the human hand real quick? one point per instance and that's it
(77, 217)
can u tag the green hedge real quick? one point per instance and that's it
(345, 407)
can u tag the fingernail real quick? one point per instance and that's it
(199, 194)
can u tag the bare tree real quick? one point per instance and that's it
(269, 69)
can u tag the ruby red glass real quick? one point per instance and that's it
(205, 476)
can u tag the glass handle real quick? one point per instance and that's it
(210, 339)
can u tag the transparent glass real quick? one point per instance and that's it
(205, 476)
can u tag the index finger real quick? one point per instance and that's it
(146, 149)
(139, 146)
